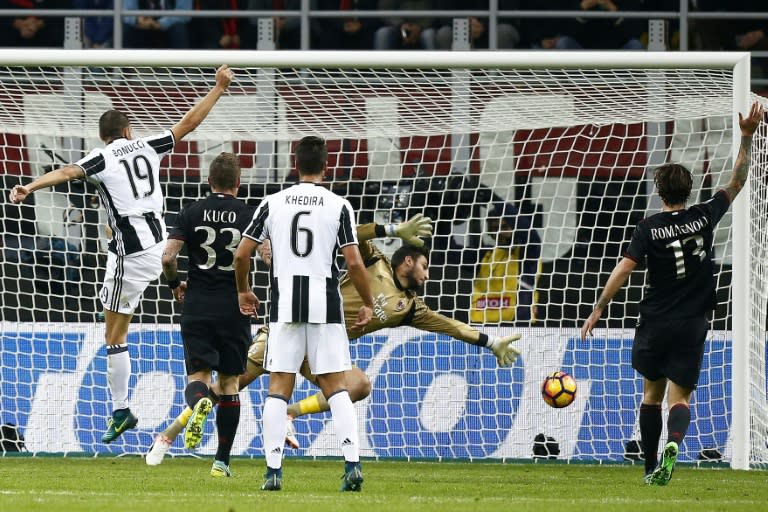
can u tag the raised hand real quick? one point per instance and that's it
(414, 228)
(505, 353)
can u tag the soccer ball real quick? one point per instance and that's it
(558, 389)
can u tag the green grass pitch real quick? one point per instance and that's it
(184, 485)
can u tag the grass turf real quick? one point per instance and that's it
(184, 485)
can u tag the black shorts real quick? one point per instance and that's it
(216, 343)
(670, 348)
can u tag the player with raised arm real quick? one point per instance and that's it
(394, 286)
(306, 224)
(676, 246)
(215, 335)
(126, 173)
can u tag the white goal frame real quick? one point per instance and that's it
(737, 62)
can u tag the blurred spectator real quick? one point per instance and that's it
(32, 31)
(504, 289)
(287, 30)
(351, 33)
(588, 33)
(748, 34)
(156, 31)
(97, 30)
(507, 30)
(406, 33)
(218, 33)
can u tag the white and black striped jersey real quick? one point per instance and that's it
(677, 249)
(306, 224)
(127, 175)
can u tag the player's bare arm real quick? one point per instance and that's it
(616, 280)
(170, 268)
(51, 179)
(249, 303)
(359, 277)
(748, 127)
(199, 112)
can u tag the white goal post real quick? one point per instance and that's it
(559, 145)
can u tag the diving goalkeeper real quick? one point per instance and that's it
(394, 286)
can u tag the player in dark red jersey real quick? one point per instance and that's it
(676, 246)
(215, 335)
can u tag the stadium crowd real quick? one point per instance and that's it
(384, 33)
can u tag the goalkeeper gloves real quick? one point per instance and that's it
(505, 353)
(410, 230)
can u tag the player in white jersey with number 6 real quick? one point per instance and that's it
(126, 172)
(307, 224)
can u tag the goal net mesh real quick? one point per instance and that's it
(555, 163)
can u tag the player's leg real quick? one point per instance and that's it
(285, 350)
(329, 359)
(651, 421)
(233, 340)
(648, 359)
(358, 387)
(164, 439)
(274, 425)
(119, 374)
(682, 367)
(227, 421)
(125, 279)
(197, 396)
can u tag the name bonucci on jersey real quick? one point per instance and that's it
(307, 225)
(127, 176)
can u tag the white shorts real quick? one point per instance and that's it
(325, 345)
(127, 277)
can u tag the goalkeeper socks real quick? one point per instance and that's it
(227, 420)
(118, 374)
(650, 433)
(310, 405)
(194, 391)
(274, 425)
(677, 422)
(345, 424)
(175, 428)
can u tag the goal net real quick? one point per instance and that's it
(546, 159)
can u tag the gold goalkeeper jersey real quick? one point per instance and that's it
(392, 305)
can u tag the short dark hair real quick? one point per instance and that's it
(398, 257)
(674, 183)
(224, 171)
(311, 155)
(111, 124)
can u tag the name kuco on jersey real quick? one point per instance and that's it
(677, 249)
(306, 225)
(127, 176)
(211, 228)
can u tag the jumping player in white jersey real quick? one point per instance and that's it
(126, 173)
(307, 225)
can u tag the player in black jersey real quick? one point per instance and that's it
(676, 246)
(216, 336)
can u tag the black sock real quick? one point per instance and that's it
(650, 433)
(194, 391)
(677, 422)
(227, 419)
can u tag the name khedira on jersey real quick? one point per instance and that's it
(679, 229)
(304, 200)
